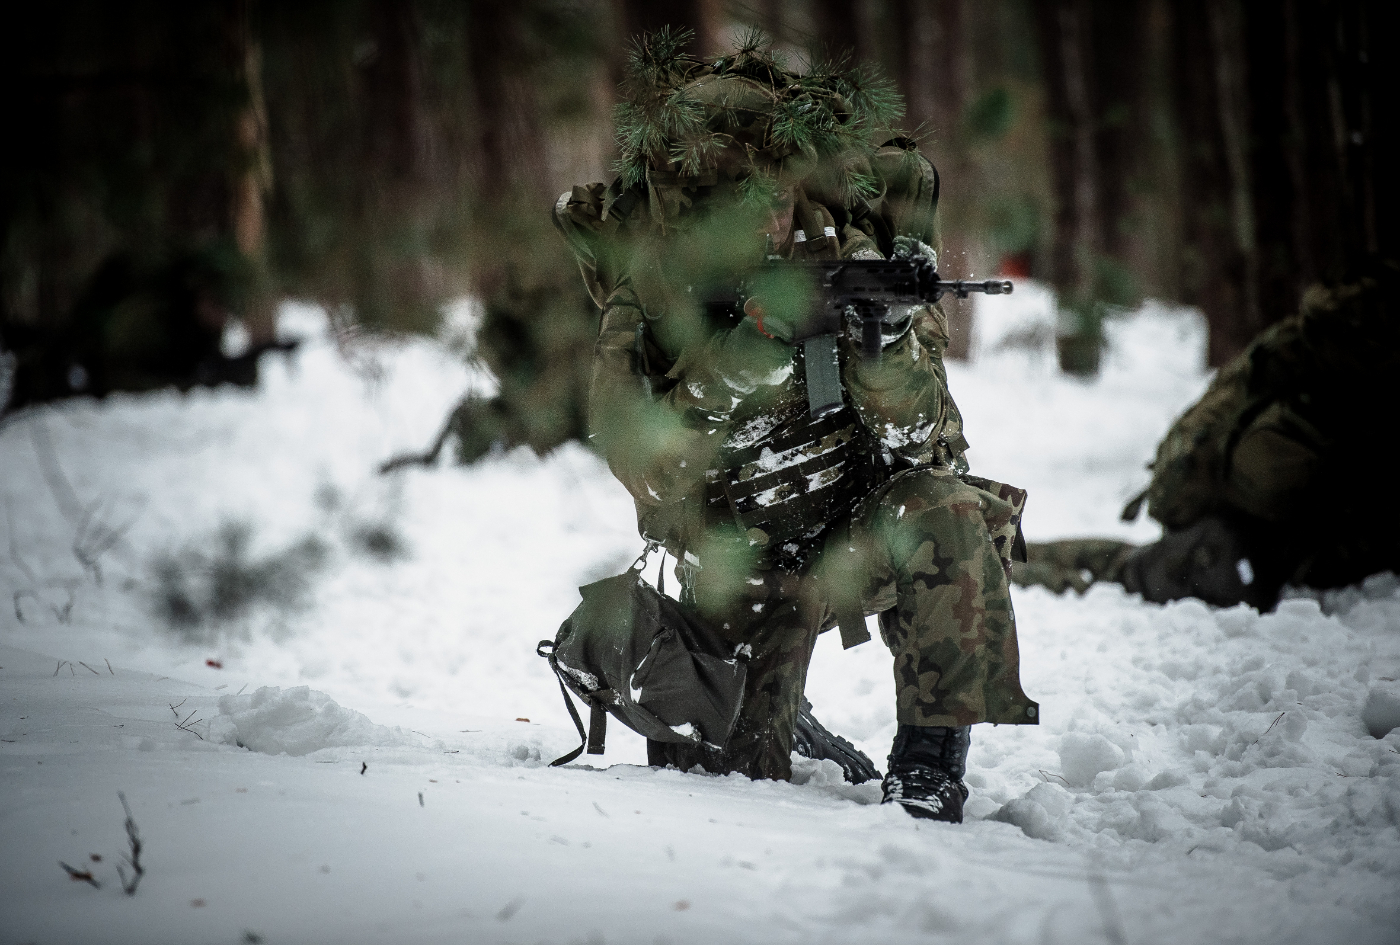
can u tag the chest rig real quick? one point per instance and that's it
(787, 476)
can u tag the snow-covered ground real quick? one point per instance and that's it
(1199, 775)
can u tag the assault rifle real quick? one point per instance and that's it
(855, 291)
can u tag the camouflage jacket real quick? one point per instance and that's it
(1295, 409)
(674, 421)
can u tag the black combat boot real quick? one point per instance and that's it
(927, 764)
(810, 739)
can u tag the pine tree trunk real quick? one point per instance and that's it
(840, 28)
(1064, 31)
(933, 69)
(253, 180)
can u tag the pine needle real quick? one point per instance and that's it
(823, 117)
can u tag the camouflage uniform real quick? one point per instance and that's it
(1256, 483)
(784, 525)
(898, 530)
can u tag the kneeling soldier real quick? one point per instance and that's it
(785, 524)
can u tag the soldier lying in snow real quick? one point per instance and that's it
(1275, 475)
(784, 525)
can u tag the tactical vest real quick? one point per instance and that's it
(788, 476)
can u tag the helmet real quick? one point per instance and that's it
(687, 126)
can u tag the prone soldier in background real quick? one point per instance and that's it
(785, 524)
(1270, 478)
(533, 324)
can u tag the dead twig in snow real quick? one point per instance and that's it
(88, 668)
(93, 537)
(82, 876)
(14, 548)
(59, 486)
(185, 725)
(133, 859)
(1266, 731)
(1047, 776)
(62, 614)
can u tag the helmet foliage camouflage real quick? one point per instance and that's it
(746, 119)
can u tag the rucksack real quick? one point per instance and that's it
(650, 661)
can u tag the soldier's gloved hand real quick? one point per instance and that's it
(779, 323)
(907, 247)
(893, 326)
(750, 357)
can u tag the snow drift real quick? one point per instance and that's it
(1198, 774)
(297, 721)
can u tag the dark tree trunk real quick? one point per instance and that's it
(1065, 34)
(840, 28)
(1313, 79)
(1224, 24)
(511, 155)
(1122, 61)
(933, 69)
(252, 182)
(1280, 150)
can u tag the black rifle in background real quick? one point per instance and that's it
(873, 294)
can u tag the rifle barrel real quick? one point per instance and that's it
(962, 288)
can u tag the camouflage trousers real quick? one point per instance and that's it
(928, 552)
(1073, 562)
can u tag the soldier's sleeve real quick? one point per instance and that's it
(903, 397)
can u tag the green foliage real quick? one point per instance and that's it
(1013, 222)
(873, 100)
(989, 116)
(787, 295)
(680, 115)
(1115, 283)
(729, 562)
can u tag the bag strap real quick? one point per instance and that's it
(597, 734)
(641, 562)
(546, 649)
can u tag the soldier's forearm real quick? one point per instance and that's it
(900, 398)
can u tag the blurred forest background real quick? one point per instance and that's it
(174, 168)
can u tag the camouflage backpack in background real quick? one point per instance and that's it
(1285, 442)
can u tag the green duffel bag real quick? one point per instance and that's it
(652, 663)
